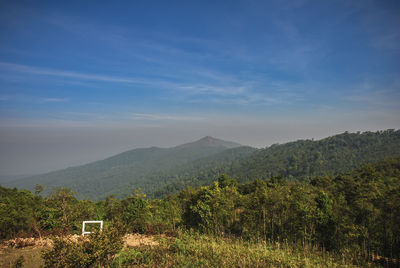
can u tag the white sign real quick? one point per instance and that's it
(83, 226)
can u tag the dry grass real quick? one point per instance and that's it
(31, 254)
(194, 250)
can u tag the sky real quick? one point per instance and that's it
(84, 80)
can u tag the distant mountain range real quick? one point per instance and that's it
(160, 171)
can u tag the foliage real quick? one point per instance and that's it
(135, 213)
(17, 210)
(98, 249)
(165, 215)
(212, 209)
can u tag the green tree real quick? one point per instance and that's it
(212, 208)
(135, 213)
(63, 203)
(324, 220)
(113, 208)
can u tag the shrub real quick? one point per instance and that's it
(97, 249)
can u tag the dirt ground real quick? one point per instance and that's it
(30, 248)
(134, 240)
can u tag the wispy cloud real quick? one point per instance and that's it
(54, 72)
(216, 90)
(23, 98)
(115, 79)
(372, 95)
(51, 100)
(164, 117)
(221, 88)
(196, 80)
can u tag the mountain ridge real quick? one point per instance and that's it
(129, 166)
(301, 159)
(161, 171)
(209, 141)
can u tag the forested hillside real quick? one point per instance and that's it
(203, 169)
(328, 156)
(299, 160)
(135, 168)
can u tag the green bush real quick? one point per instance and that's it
(127, 257)
(97, 249)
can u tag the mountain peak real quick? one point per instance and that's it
(209, 141)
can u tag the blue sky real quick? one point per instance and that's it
(166, 72)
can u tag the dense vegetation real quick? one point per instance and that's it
(355, 215)
(159, 172)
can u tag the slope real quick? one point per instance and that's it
(95, 179)
(194, 173)
(297, 160)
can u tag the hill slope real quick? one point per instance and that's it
(329, 156)
(298, 160)
(96, 179)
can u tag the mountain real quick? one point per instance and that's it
(161, 171)
(296, 160)
(209, 142)
(132, 168)
(194, 173)
(330, 156)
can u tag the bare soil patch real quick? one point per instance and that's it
(135, 240)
